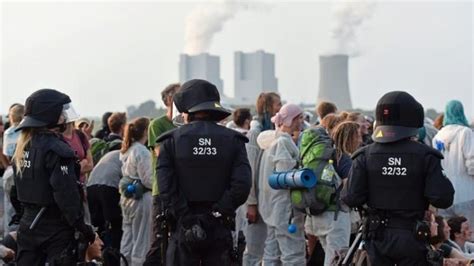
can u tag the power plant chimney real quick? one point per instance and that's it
(334, 81)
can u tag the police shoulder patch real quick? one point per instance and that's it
(65, 169)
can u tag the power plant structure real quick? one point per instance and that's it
(201, 66)
(253, 73)
(334, 81)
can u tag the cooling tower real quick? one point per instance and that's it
(201, 66)
(334, 81)
(254, 73)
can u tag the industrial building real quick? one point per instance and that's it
(201, 66)
(253, 73)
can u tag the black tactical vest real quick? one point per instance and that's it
(204, 154)
(39, 158)
(396, 175)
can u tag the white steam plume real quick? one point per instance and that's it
(206, 20)
(348, 16)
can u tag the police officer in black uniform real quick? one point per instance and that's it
(203, 176)
(397, 177)
(45, 179)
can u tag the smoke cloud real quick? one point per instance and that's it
(348, 16)
(208, 19)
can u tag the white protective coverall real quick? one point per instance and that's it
(458, 164)
(255, 233)
(137, 216)
(280, 154)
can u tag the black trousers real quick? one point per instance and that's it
(153, 257)
(106, 214)
(46, 242)
(396, 246)
(214, 251)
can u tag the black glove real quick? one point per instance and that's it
(87, 232)
(228, 220)
(192, 233)
(223, 211)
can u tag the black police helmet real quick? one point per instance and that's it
(43, 108)
(200, 95)
(398, 116)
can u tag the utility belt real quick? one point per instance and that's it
(51, 212)
(376, 224)
(200, 231)
(205, 208)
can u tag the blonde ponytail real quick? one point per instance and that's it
(23, 141)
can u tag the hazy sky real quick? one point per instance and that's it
(107, 55)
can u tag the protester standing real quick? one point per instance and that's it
(135, 190)
(456, 142)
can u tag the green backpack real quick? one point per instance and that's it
(100, 147)
(317, 153)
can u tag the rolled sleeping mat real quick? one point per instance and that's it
(303, 178)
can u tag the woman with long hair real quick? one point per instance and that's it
(135, 188)
(268, 104)
(45, 181)
(364, 126)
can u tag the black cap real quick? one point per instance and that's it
(398, 115)
(43, 108)
(200, 95)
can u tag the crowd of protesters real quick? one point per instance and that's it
(121, 152)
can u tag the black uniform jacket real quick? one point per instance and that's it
(49, 178)
(400, 177)
(203, 162)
